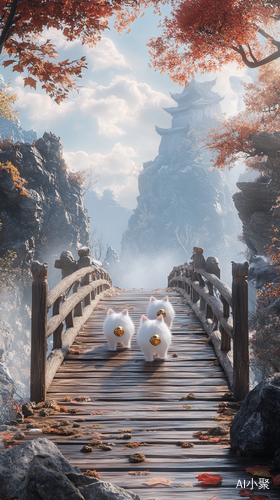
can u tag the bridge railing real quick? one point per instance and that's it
(72, 309)
(222, 311)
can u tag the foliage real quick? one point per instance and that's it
(11, 275)
(23, 23)
(6, 104)
(17, 180)
(204, 36)
(244, 137)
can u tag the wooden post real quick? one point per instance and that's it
(78, 309)
(38, 332)
(240, 330)
(225, 338)
(57, 334)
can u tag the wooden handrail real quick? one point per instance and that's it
(67, 282)
(71, 312)
(214, 313)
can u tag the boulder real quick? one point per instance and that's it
(255, 430)
(14, 464)
(94, 489)
(36, 470)
(44, 480)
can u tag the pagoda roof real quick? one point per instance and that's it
(197, 93)
(165, 131)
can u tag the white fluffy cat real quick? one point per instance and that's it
(154, 337)
(118, 328)
(157, 307)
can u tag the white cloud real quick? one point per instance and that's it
(232, 102)
(118, 108)
(105, 56)
(114, 171)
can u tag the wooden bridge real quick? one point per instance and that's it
(169, 411)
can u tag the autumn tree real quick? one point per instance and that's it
(22, 24)
(203, 35)
(252, 135)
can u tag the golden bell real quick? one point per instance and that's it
(119, 331)
(161, 312)
(155, 339)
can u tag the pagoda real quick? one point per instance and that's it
(198, 105)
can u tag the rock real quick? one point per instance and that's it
(255, 430)
(277, 459)
(254, 203)
(14, 464)
(94, 489)
(27, 410)
(44, 480)
(7, 390)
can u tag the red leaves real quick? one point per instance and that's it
(31, 82)
(259, 470)
(209, 479)
(276, 480)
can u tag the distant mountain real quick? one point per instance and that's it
(108, 219)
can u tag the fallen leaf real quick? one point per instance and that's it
(276, 480)
(159, 481)
(105, 447)
(209, 479)
(138, 472)
(137, 458)
(186, 406)
(132, 445)
(245, 493)
(82, 398)
(67, 399)
(258, 469)
(189, 396)
(98, 412)
(91, 473)
(174, 355)
(74, 351)
(185, 444)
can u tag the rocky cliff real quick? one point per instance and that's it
(52, 217)
(49, 219)
(182, 202)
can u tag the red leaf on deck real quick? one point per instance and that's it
(246, 493)
(258, 468)
(276, 480)
(209, 479)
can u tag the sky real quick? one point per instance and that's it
(108, 127)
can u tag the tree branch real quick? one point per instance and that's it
(9, 22)
(256, 64)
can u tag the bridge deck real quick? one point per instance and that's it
(127, 393)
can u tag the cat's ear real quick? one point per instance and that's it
(110, 311)
(166, 298)
(125, 311)
(143, 318)
(152, 298)
(160, 318)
